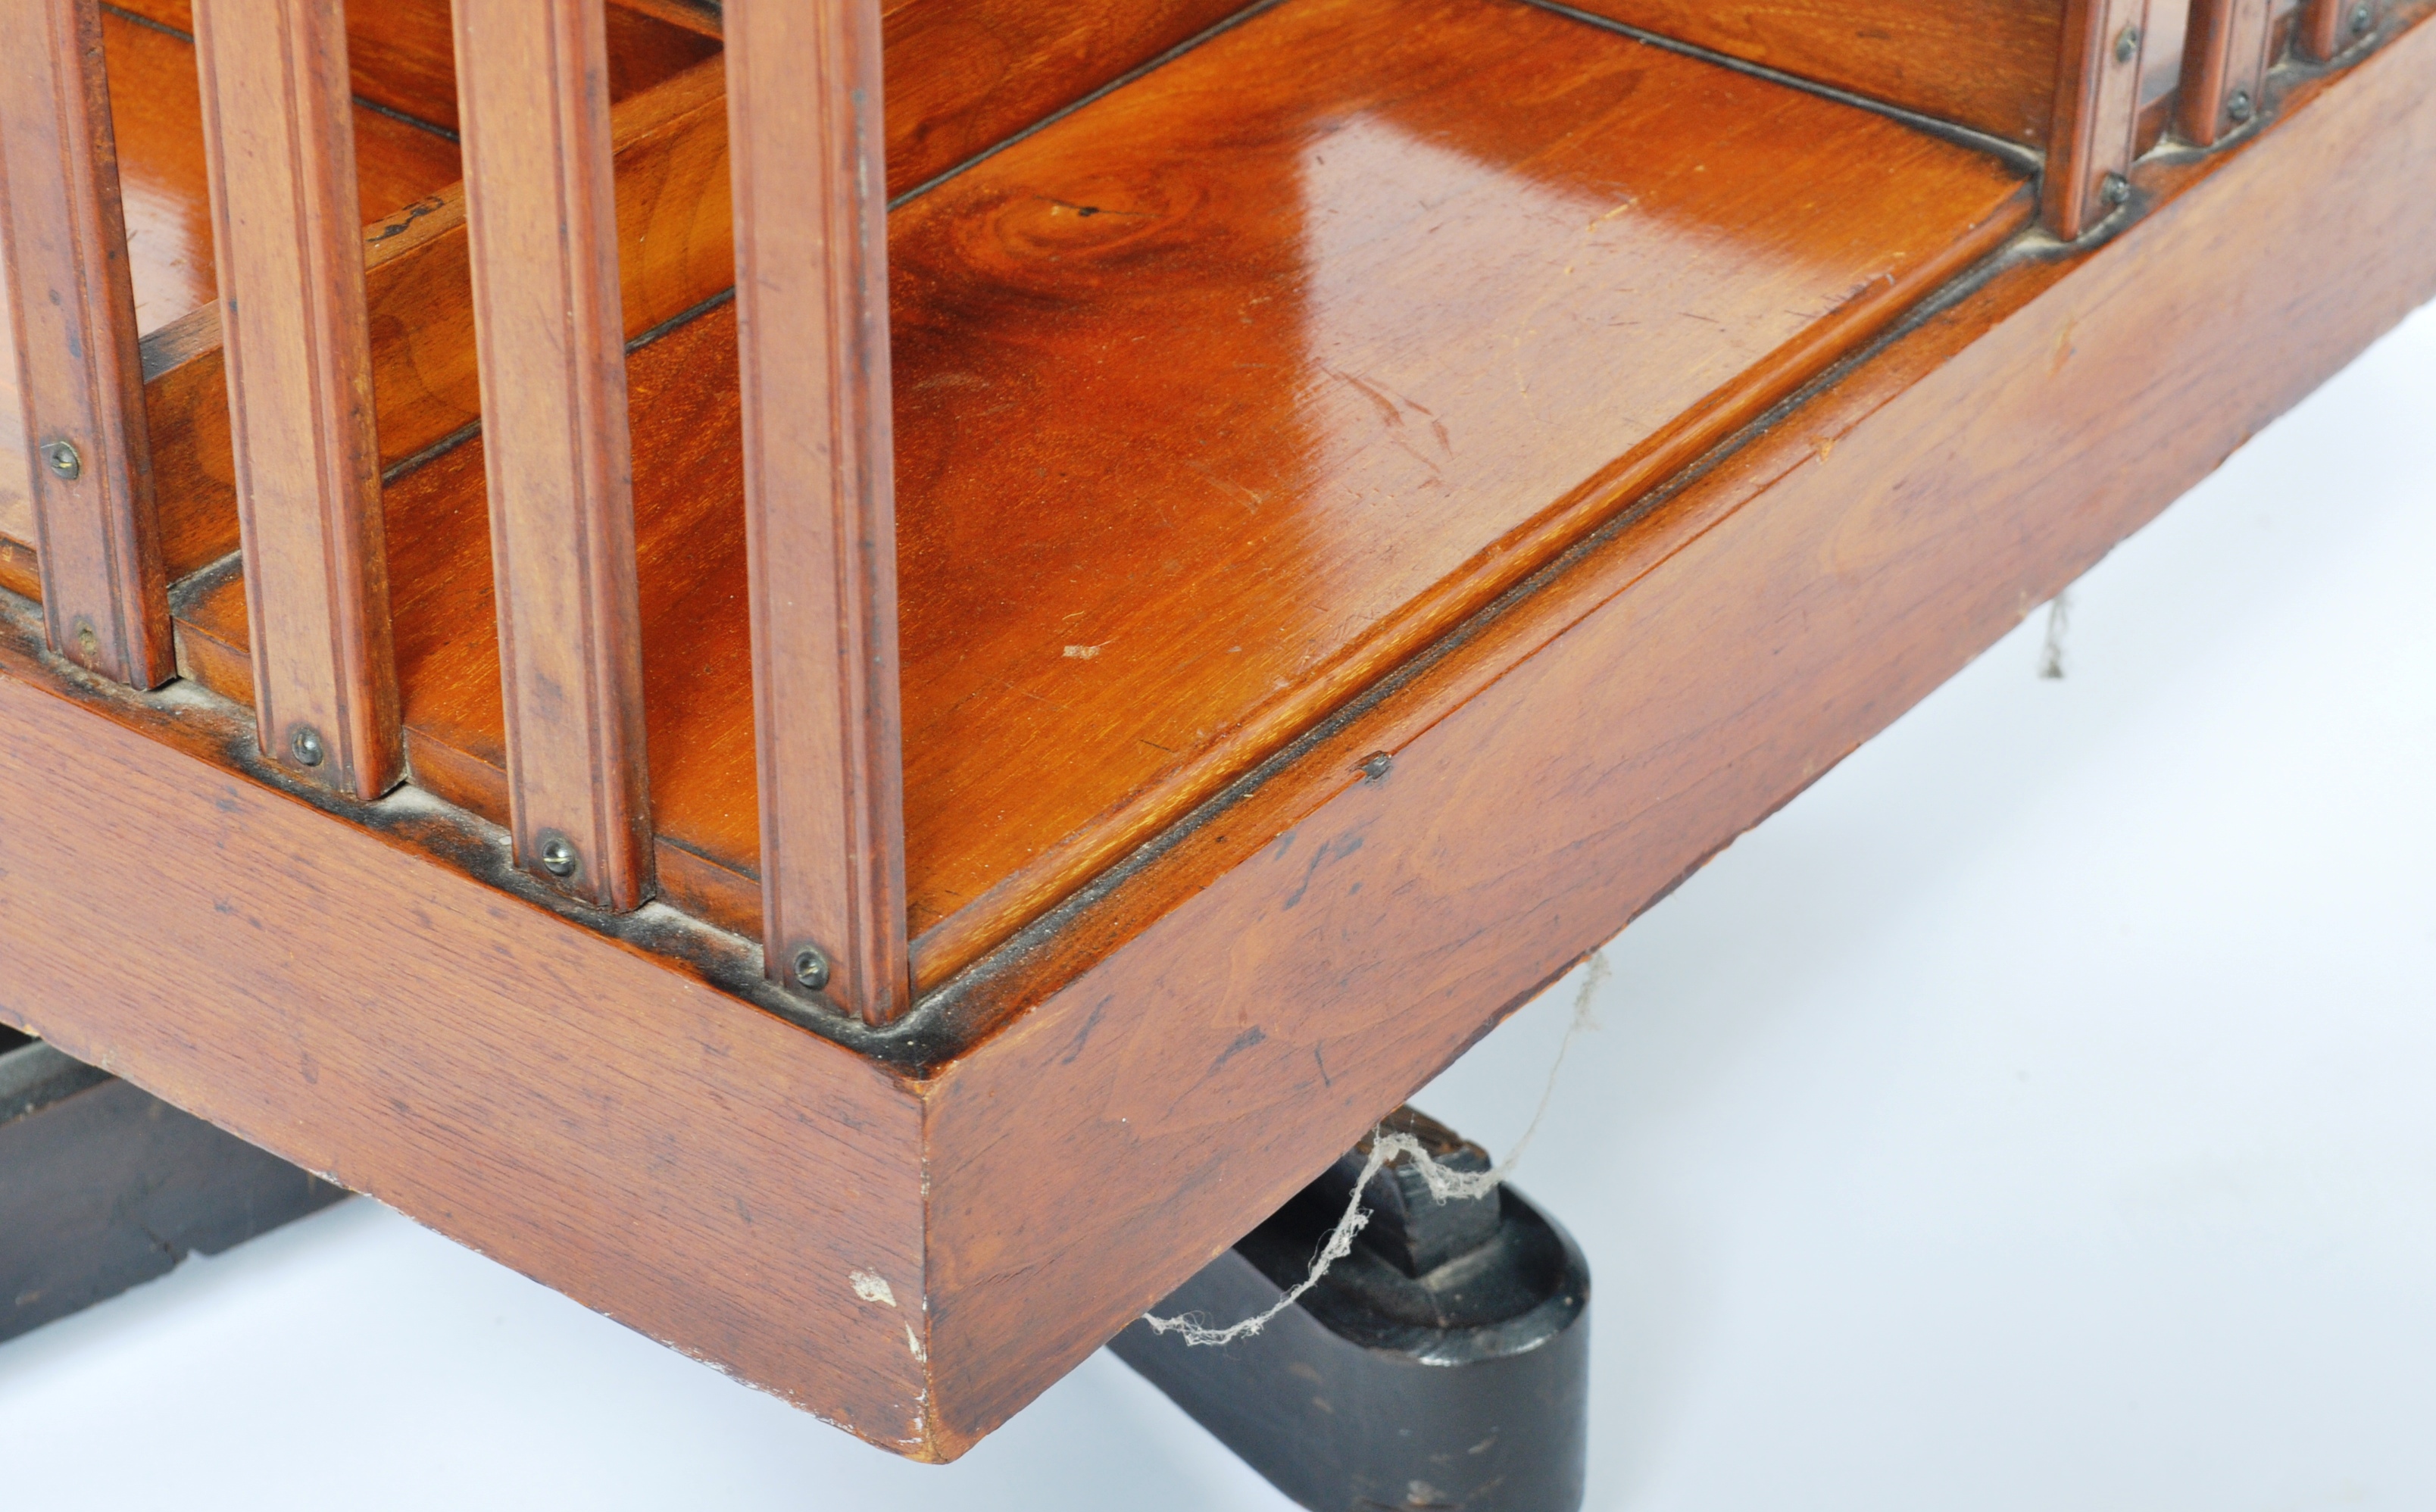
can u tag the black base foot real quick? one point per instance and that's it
(1444, 1363)
(103, 1185)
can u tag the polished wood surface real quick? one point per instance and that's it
(1038, 1153)
(70, 347)
(1983, 64)
(541, 230)
(401, 54)
(2224, 68)
(157, 118)
(673, 251)
(1205, 407)
(2098, 115)
(1202, 1037)
(1211, 396)
(818, 459)
(674, 237)
(280, 143)
(965, 75)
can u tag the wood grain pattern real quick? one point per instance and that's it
(2224, 67)
(963, 74)
(156, 115)
(1983, 64)
(281, 148)
(804, 120)
(1108, 1103)
(675, 242)
(1304, 959)
(2097, 113)
(673, 249)
(71, 350)
(401, 54)
(353, 1001)
(1303, 251)
(542, 229)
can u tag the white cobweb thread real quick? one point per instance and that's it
(1444, 1183)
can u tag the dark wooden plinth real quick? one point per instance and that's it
(104, 1187)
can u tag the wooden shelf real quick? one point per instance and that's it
(1216, 400)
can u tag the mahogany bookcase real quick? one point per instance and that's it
(854, 685)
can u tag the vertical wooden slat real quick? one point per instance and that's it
(533, 98)
(2224, 64)
(2096, 116)
(279, 142)
(811, 277)
(2330, 28)
(79, 379)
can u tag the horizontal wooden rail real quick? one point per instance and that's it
(280, 143)
(78, 378)
(540, 196)
(805, 131)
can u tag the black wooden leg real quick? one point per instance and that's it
(103, 1186)
(1444, 1363)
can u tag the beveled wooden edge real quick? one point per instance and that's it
(279, 146)
(806, 135)
(78, 377)
(542, 230)
(597, 1101)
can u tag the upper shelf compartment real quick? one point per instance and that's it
(1215, 400)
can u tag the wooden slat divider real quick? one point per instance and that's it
(541, 215)
(279, 141)
(2224, 64)
(2329, 29)
(79, 379)
(2096, 116)
(806, 151)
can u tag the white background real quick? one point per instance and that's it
(2039, 1113)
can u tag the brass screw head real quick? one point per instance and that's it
(2237, 106)
(307, 746)
(811, 968)
(558, 856)
(63, 460)
(2127, 46)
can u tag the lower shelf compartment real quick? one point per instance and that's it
(1217, 400)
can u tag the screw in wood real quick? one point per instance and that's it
(2362, 18)
(63, 460)
(307, 746)
(1375, 766)
(2237, 106)
(558, 858)
(811, 968)
(2115, 189)
(2127, 46)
